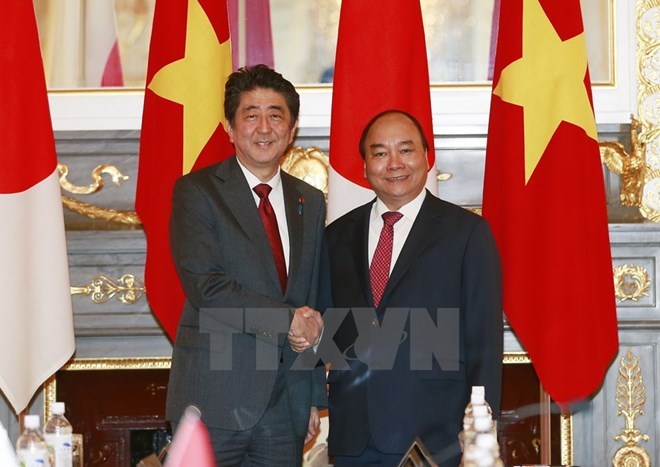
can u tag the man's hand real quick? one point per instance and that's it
(305, 329)
(313, 425)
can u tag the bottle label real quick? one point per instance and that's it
(62, 446)
(33, 457)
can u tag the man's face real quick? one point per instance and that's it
(395, 160)
(262, 129)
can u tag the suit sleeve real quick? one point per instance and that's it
(482, 298)
(317, 297)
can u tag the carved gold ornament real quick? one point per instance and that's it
(96, 212)
(89, 210)
(309, 165)
(97, 185)
(630, 397)
(128, 289)
(631, 282)
(631, 166)
(648, 102)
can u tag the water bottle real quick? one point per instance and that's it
(481, 394)
(31, 448)
(58, 434)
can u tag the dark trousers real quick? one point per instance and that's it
(270, 443)
(370, 456)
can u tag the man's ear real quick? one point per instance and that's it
(364, 169)
(426, 156)
(230, 132)
(294, 129)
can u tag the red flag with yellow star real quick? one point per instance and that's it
(545, 199)
(183, 129)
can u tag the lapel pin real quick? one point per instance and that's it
(301, 202)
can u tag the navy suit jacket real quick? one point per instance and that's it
(448, 262)
(235, 317)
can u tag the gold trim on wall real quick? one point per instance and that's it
(631, 166)
(128, 288)
(630, 397)
(631, 282)
(90, 210)
(96, 185)
(648, 102)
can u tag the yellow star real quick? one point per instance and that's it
(548, 82)
(197, 82)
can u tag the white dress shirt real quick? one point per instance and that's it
(276, 198)
(401, 228)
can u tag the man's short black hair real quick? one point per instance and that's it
(249, 78)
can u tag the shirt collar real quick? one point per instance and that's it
(409, 210)
(253, 181)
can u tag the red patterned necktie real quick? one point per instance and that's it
(272, 231)
(379, 271)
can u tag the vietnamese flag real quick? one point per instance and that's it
(36, 335)
(183, 129)
(381, 64)
(545, 199)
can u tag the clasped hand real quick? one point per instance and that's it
(305, 329)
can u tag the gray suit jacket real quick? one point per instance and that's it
(231, 341)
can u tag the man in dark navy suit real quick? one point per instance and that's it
(441, 267)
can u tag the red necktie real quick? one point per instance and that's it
(379, 271)
(270, 224)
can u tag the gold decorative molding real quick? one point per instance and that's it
(309, 165)
(630, 397)
(96, 212)
(90, 210)
(128, 289)
(648, 102)
(566, 441)
(631, 166)
(97, 185)
(443, 176)
(631, 282)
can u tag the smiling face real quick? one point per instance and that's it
(395, 161)
(262, 130)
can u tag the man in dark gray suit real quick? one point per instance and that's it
(247, 285)
(441, 270)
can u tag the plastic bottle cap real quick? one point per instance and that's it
(31, 422)
(58, 408)
(477, 399)
(479, 390)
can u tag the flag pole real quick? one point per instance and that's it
(242, 34)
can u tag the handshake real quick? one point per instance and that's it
(306, 328)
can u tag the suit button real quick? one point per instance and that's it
(375, 323)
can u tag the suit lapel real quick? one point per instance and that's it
(294, 203)
(237, 195)
(360, 250)
(423, 231)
